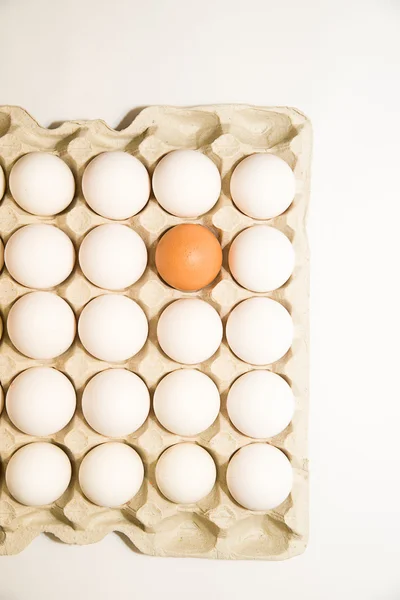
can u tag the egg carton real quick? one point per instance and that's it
(216, 527)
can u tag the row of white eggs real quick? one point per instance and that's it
(116, 185)
(41, 401)
(259, 476)
(114, 328)
(114, 257)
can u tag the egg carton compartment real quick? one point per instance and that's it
(216, 527)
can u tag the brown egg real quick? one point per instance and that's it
(188, 257)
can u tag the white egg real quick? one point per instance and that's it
(1, 399)
(113, 328)
(259, 477)
(260, 404)
(111, 474)
(2, 183)
(116, 185)
(189, 331)
(186, 402)
(41, 401)
(185, 473)
(116, 402)
(261, 258)
(41, 325)
(1, 254)
(186, 183)
(38, 474)
(42, 184)
(113, 256)
(263, 186)
(259, 331)
(39, 256)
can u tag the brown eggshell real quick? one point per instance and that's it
(188, 257)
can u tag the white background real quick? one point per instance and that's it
(337, 61)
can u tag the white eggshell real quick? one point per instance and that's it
(2, 183)
(259, 477)
(260, 404)
(40, 401)
(186, 402)
(259, 331)
(113, 256)
(111, 474)
(39, 256)
(41, 325)
(189, 331)
(262, 186)
(116, 402)
(185, 473)
(42, 184)
(116, 185)
(186, 183)
(261, 258)
(113, 328)
(38, 474)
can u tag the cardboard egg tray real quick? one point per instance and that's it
(216, 527)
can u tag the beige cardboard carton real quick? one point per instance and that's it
(216, 527)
